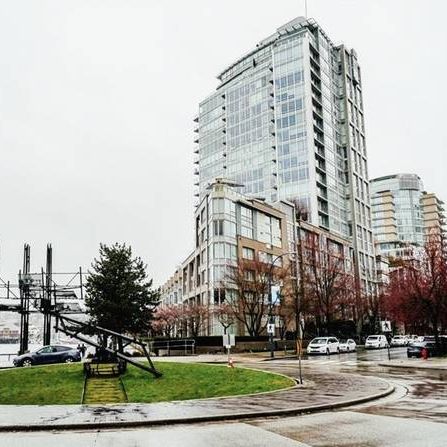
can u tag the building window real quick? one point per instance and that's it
(246, 222)
(218, 206)
(248, 253)
(218, 227)
(249, 275)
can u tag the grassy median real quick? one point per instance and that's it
(42, 385)
(62, 384)
(183, 381)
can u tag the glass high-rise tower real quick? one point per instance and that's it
(404, 215)
(286, 122)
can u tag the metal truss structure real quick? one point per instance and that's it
(40, 292)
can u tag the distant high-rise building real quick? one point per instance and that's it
(287, 123)
(434, 216)
(403, 214)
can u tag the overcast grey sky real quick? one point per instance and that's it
(97, 100)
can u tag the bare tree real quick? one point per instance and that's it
(328, 282)
(249, 281)
(417, 293)
(225, 315)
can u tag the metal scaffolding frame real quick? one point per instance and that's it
(40, 291)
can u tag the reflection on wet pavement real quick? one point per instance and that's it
(427, 389)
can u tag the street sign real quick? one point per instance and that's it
(386, 326)
(228, 340)
(275, 291)
(271, 328)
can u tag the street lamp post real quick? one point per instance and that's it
(270, 325)
(270, 319)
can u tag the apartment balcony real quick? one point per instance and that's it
(318, 125)
(316, 85)
(319, 154)
(316, 95)
(319, 137)
(321, 166)
(318, 112)
(322, 193)
(321, 178)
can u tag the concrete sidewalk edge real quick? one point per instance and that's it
(420, 368)
(198, 419)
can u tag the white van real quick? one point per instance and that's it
(323, 345)
(376, 342)
(399, 340)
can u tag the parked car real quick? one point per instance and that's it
(415, 349)
(48, 354)
(323, 345)
(347, 345)
(399, 340)
(413, 338)
(376, 342)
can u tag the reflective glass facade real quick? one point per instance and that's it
(397, 212)
(286, 122)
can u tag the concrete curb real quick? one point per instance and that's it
(199, 419)
(419, 368)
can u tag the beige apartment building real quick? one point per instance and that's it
(230, 226)
(434, 215)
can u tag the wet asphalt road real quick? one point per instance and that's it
(415, 415)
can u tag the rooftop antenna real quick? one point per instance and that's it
(305, 8)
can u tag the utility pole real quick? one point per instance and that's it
(24, 283)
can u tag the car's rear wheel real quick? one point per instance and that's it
(69, 360)
(27, 362)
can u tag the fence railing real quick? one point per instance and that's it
(186, 346)
(7, 355)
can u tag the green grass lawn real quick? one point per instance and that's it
(181, 381)
(55, 384)
(62, 384)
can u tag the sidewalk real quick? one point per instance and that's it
(439, 364)
(319, 392)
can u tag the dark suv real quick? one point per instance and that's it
(433, 350)
(48, 354)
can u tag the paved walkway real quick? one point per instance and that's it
(320, 391)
